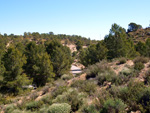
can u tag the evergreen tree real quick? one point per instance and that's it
(79, 45)
(38, 65)
(141, 48)
(117, 43)
(14, 78)
(93, 54)
(60, 57)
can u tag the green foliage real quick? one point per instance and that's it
(93, 54)
(84, 86)
(14, 79)
(59, 90)
(79, 45)
(89, 109)
(66, 76)
(39, 66)
(72, 98)
(113, 106)
(34, 106)
(59, 108)
(139, 66)
(108, 76)
(147, 78)
(133, 27)
(117, 43)
(122, 60)
(60, 57)
(141, 59)
(141, 48)
(93, 70)
(10, 108)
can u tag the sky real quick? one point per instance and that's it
(87, 18)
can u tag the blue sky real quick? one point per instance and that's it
(88, 18)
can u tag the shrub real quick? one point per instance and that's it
(138, 66)
(144, 101)
(84, 86)
(47, 99)
(59, 90)
(93, 70)
(59, 108)
(122, 60)
(70, 97)
(89, 109)
(33, 106)
(108, 76)
(147, 78)
(141, 59)
(45, 89)
(113, 106)
(33, 95)
(10, 108)
(66, 76)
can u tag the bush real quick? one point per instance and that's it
(93, 70)
(45, 89)
(33, 95)
(33, 106)
(122, 60)
(108, 76)
(59, 108)
(59, 90)
(141, 59)
(89, 109)
(113, 106)
(47, 99)
(66, 76)
(147, 78)
(138, 66)
(71, 97)
(144, 101)
(84, 86)
(10, 108)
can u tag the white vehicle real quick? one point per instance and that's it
(30, 86)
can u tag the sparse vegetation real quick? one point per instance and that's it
(116, 78)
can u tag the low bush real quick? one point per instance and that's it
(141, 59)
(138, 66)
(147, 78)
(122, 61)
(84, 86)
(34, 106)
(45, 89)
(113, 106)
(66, 76)
(71, 97)
(33, 95)
(10, 108)
(93, 70)
(108, 76)
(47, 99)
(144, 101)
(59, 90)
(89, 109)
(59, 108)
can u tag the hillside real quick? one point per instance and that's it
(140, 35)
(47, 73)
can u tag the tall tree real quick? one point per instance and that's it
(38, 66)
(14, 78)
(133, 27)
(60, 57)
(93, 54)
(117, 43)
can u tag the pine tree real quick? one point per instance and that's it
(14, 78)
